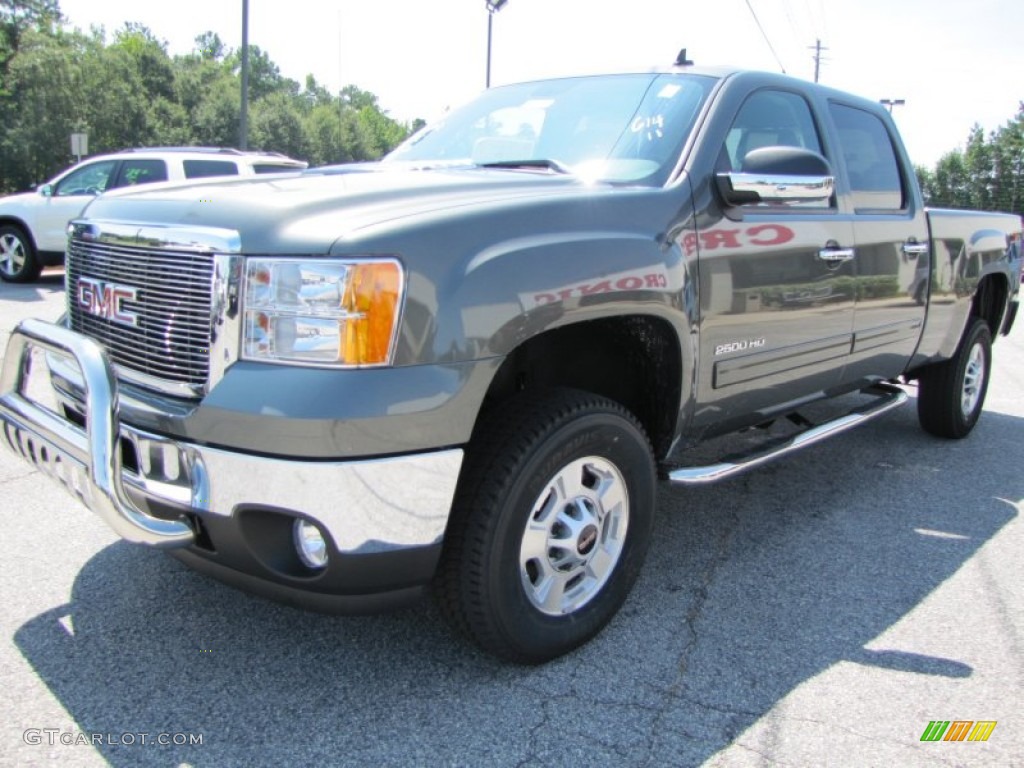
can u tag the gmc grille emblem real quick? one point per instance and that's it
(105, 300)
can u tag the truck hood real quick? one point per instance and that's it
(309, 212)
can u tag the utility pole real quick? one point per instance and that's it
(890, 103)
(817, 48)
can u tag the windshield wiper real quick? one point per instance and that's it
(543, 163)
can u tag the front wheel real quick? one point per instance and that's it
(18, 262)
(951, 394)
(550, 526)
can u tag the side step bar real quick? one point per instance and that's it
(887, 398)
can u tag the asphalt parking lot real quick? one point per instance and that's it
(820, 611)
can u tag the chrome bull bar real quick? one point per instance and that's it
(87, 462)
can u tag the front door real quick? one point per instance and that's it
(776, 285)
(68, 199)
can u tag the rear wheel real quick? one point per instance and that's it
(951, 394)
(18, 262)
(550, 526)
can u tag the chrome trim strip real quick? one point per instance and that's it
(225, 316)
(836, 255)
(366, 506)
(157, 236)
(889, 397)
(87, 462)
(781, 188)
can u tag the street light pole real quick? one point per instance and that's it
(890, 103)
(490, 33)
(243, 122)
(493, 6)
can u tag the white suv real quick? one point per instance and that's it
(33, 225)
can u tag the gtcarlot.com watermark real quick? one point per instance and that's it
(52, 737)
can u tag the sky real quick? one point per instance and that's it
(954, 63)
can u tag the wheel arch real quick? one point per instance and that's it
(635, 360)
(6, 220)
(990, 303)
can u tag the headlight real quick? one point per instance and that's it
(321, 311)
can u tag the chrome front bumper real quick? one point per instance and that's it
(366, 506)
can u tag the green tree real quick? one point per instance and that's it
(216, 115)
(149, 59)
(985, 175)
(209, 46)
(18, 17)
(384, 134)
(277, 126)
(42, 108)
(130, 92)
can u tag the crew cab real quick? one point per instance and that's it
(33, 225)
(468, 366)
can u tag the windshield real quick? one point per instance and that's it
(619, 128)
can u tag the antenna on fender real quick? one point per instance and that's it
(682, 61)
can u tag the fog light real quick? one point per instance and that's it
(310, 544)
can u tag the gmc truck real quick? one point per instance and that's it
(467, 367)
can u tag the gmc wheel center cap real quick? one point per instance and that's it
(587, 539)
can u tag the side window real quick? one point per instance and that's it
(269, 168)
(871, 163)
(141, 171)
(768, 119)
(197, 169)
(88, 180)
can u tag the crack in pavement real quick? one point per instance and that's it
(693, 616)
(10, 480)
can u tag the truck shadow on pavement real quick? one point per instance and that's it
(47, 284)
(751, 588)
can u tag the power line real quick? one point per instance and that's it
(765, 35)
(810, 17)
(792, 22)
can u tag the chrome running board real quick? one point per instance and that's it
(886, 396)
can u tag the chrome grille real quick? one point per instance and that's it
(172, 339)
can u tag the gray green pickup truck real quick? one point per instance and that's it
(467, 367)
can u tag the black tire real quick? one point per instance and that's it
(951, 394)
(587, 548)
(18, 262)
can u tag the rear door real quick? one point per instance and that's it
(140, 170)
(891, 237)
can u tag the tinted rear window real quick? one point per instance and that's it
(195, 169)
(141, 171)
(270, 168)
(870, 158)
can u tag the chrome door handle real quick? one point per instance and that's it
(836, 255)
(915, 249)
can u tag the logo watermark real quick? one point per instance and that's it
(959, 730)
(70, 738)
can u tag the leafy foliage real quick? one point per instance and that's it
(130, 92)
(985, 175)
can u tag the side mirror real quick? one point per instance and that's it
(778, 175)
(46, 190)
